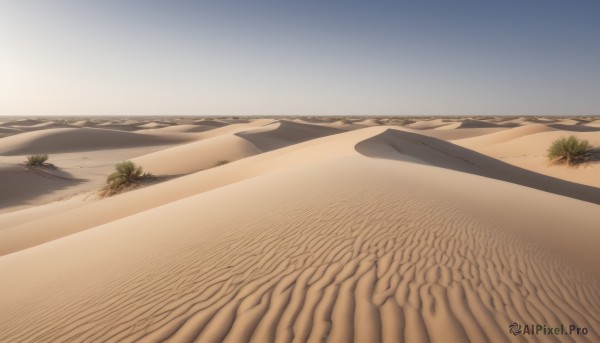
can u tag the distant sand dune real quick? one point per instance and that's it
(9, 131)
(524, 141)
(42, 126)
(507, 135)
(84, 123)
(286, 133)
(479, 124)
(575, 128)
(428, 124)
(81, 139)
(528, 149)
(452, 134)
(152, 125)
(214, 123)
(594, 123)
(179, 128)
(22, 122)
(195, 156)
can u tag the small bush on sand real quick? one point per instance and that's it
(568, 149)
(221, 162)
(126, 176)
(36, 160)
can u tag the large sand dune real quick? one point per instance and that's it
(400, 145)
(527, 147)
(195, 156)
(380, 234)
(179, 128)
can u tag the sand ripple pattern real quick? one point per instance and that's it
(376, 262)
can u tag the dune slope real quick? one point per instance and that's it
(80, 139)
(285, 133)
(195, 156)
(413, 147)
(371, 258)
(19, 184)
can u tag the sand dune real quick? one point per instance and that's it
(506, 135)
(20, 185)
(479, 124)
(213, 123)
(575, 128)
(179, 128)
(84, 123)
(380, 234)
(594, 123)
(524, 142)
(233, 128)
(427, 124)
(345, 125)
(37, 231)
(296, 155)
(448, 126)
(452, 134)
(153, 125)
(400, 145)
(192, 157)
(51, 125)
(8, 131)
(397, 262)
(22, 122)
(456, 124)
(120, 127)
(529, 151)
(43, 126)
(83, 139)
(567, 122)
(285, 133)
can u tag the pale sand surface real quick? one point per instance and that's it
(527, 146)
(80, 139)
(319, 229)
(79, 172)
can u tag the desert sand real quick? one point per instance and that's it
(316, 229)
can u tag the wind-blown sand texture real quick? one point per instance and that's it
(367, 231)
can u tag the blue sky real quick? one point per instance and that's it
(299, 57)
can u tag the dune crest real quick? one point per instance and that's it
(286, 133)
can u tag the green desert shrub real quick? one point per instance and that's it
(568, 149)
(221, 162)
(36, 160)
(127, 175)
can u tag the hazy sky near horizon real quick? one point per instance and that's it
(299, 57)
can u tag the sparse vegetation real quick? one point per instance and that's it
(126, 176)
(568, 149)
(37, 160)
(221, 162)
